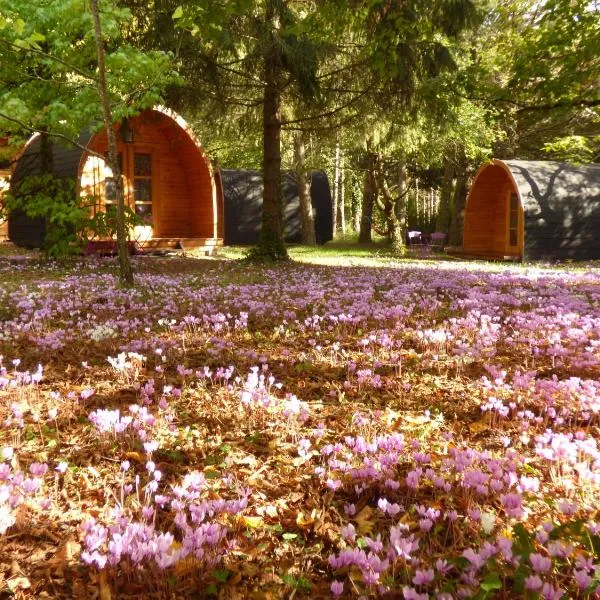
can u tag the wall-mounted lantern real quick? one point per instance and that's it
(126, 132)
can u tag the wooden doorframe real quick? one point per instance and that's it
(518, 247)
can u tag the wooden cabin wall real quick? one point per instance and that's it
(182, 186)
(220, 205)
(486, 212)
(4, 179)
(201, 185)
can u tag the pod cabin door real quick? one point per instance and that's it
(514, 222)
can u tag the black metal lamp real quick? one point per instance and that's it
(126, 132)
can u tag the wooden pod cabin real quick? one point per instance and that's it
(4, 179)
(4, 182)
(243, 198)
(533, 210)
(168, 179)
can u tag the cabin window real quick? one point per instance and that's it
(142, 186)
(513, 220)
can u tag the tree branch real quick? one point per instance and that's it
(328, 113)
(33, 130)
(51, 57)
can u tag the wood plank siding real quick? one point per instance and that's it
(486, 213)
(4, 179)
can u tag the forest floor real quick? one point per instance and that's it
(344, 425)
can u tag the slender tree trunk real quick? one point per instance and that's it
(306, 210)
(355, 205)
(399, 220)
(455, 236)
(342, 199)
(270, 242)
(336, 188)
(47, 168)
(369, 194)
(444, 209)
(125, 270)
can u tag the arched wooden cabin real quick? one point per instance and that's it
(243, 198)
(4, 179)
(534, 210)
(169, 181)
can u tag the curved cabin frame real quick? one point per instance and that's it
(533, 210)
(169, 181)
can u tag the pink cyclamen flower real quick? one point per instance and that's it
(539, 563)
(423, 577)
(337, 588)
(533, 583)
(512, 504)
(583, 579)
(549, 592)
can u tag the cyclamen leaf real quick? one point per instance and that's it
(491, 582)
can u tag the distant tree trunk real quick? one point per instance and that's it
(306, 210)
(455, 236)
(125, 270)
(369, 196)
(270, 242)
(393, 207)
(355, 205)
(444, 208)
(341, 206)
(400, 211)
(336, 188)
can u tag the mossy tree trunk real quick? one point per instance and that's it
(369, 196)
(455, 234)
(442, 222)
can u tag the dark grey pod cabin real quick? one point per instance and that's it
(243, 197)
(533, 210)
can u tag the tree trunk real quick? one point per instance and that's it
(442, 223)
(355, 205)
(125, 270)
(336, 188)
(455, 236)
(399, 221)
(271, 245)
(369, 193)
(306, 210)
(341, 206)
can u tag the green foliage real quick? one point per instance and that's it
(572, 148)
(48, 67)
(46, 197)
(67, 216)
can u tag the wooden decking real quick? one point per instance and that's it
(461, 252)
(156, 245)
